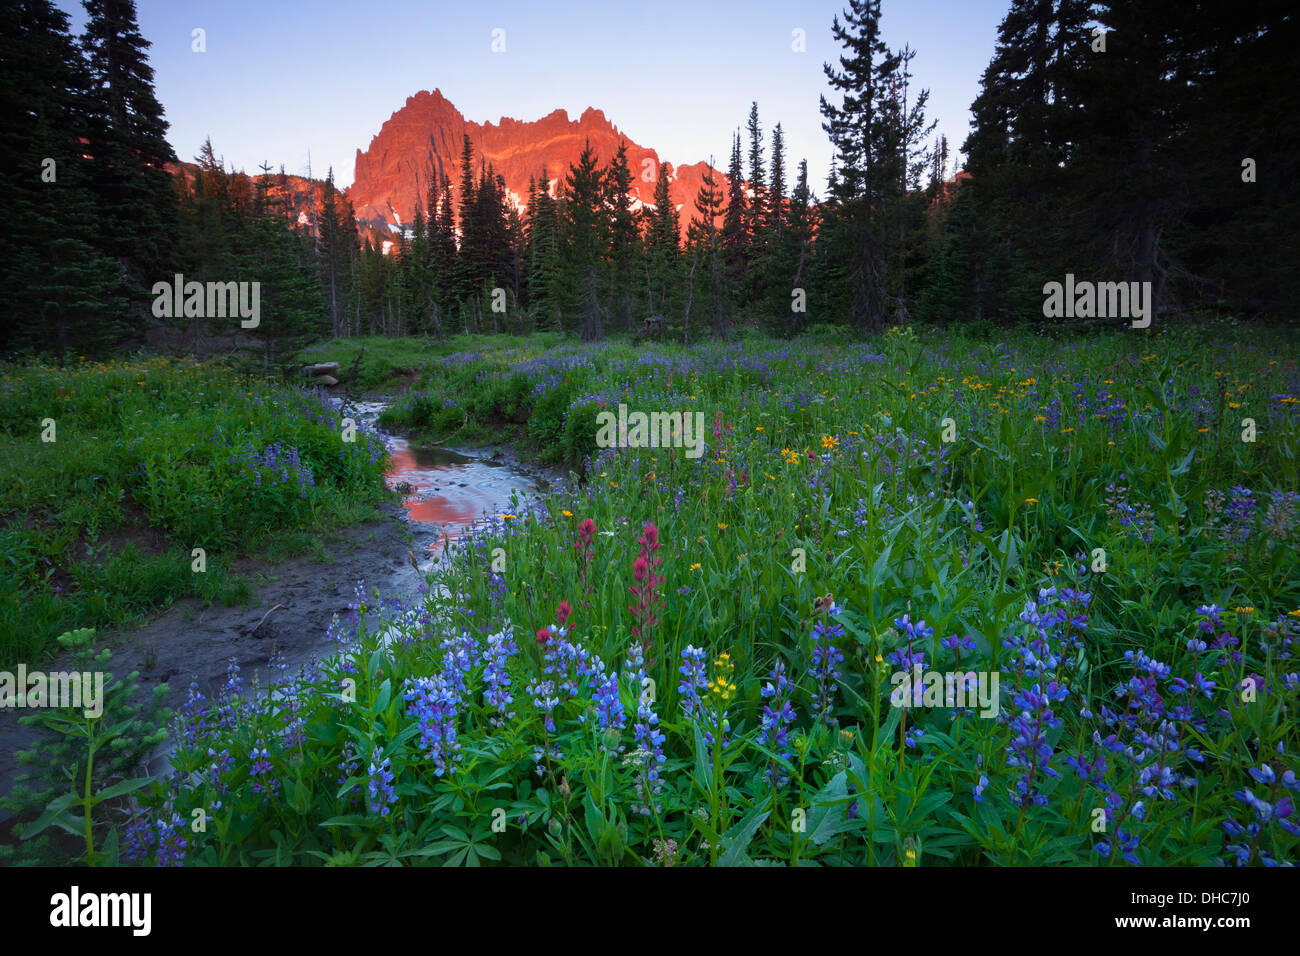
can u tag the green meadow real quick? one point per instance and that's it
(678, 661)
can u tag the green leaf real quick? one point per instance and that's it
(828, 815)
(703, 763)
(737, 839)
(346, 820)
(881, 565)
(594, 818)
(56, 814)
(125, 786)
(929, 803)
(299, 797)
(384, 697)
(1185, 465)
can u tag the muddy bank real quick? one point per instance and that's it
(290, 610)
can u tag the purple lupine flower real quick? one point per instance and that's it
(1029, 748)
(906, 661)
(171, 841)
(1093, 771)
(1128, 844)
(693, 679)
(1239, 514)
(137, 838)
(959, 644)
(610, 715)
(349, 767)
(380, 795)
(826, 659)
(225, 715)
(1211, 614)
(915, 632)
(263, 770)
(293, 734)
(541, 692)
(565, 661)
(434, 702)
(193, 718)
(1268, 810)
(646, 735)
(497, 587)
(496, 677)
(217, 769)
(459, 655)
(778, 715)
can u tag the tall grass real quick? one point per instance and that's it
(150, 460)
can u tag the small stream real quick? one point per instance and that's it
(444, 490)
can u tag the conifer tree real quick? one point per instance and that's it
(126, 139)
(443, 248)
(735, 238)
(585, 240)
(865, 166)
(663, 236)
(707, 268)
(468, 260)
(336, 251)
(776, 187)
(879, 132)
(291, 302)
(758, 206)
(1024, 129)
(63, 293)
(419, 286)
(544, 266)
(624, 241)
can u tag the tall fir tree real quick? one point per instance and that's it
(735, 238)
(776, 187)
(663, 236)
(585, 240)
(707, 268)
(758, 205)
(902, 213)
(126, 140)
(468, 256)
(64, 293)
(545, 254)
(336, 251)
(291, 301)
(1024, 129)
(866, 176)
(624, 241)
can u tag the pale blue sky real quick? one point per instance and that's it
(280, 79)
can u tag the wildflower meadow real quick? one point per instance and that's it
(924, 600)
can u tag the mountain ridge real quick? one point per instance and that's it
(424, 136)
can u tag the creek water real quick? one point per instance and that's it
(445, 491)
